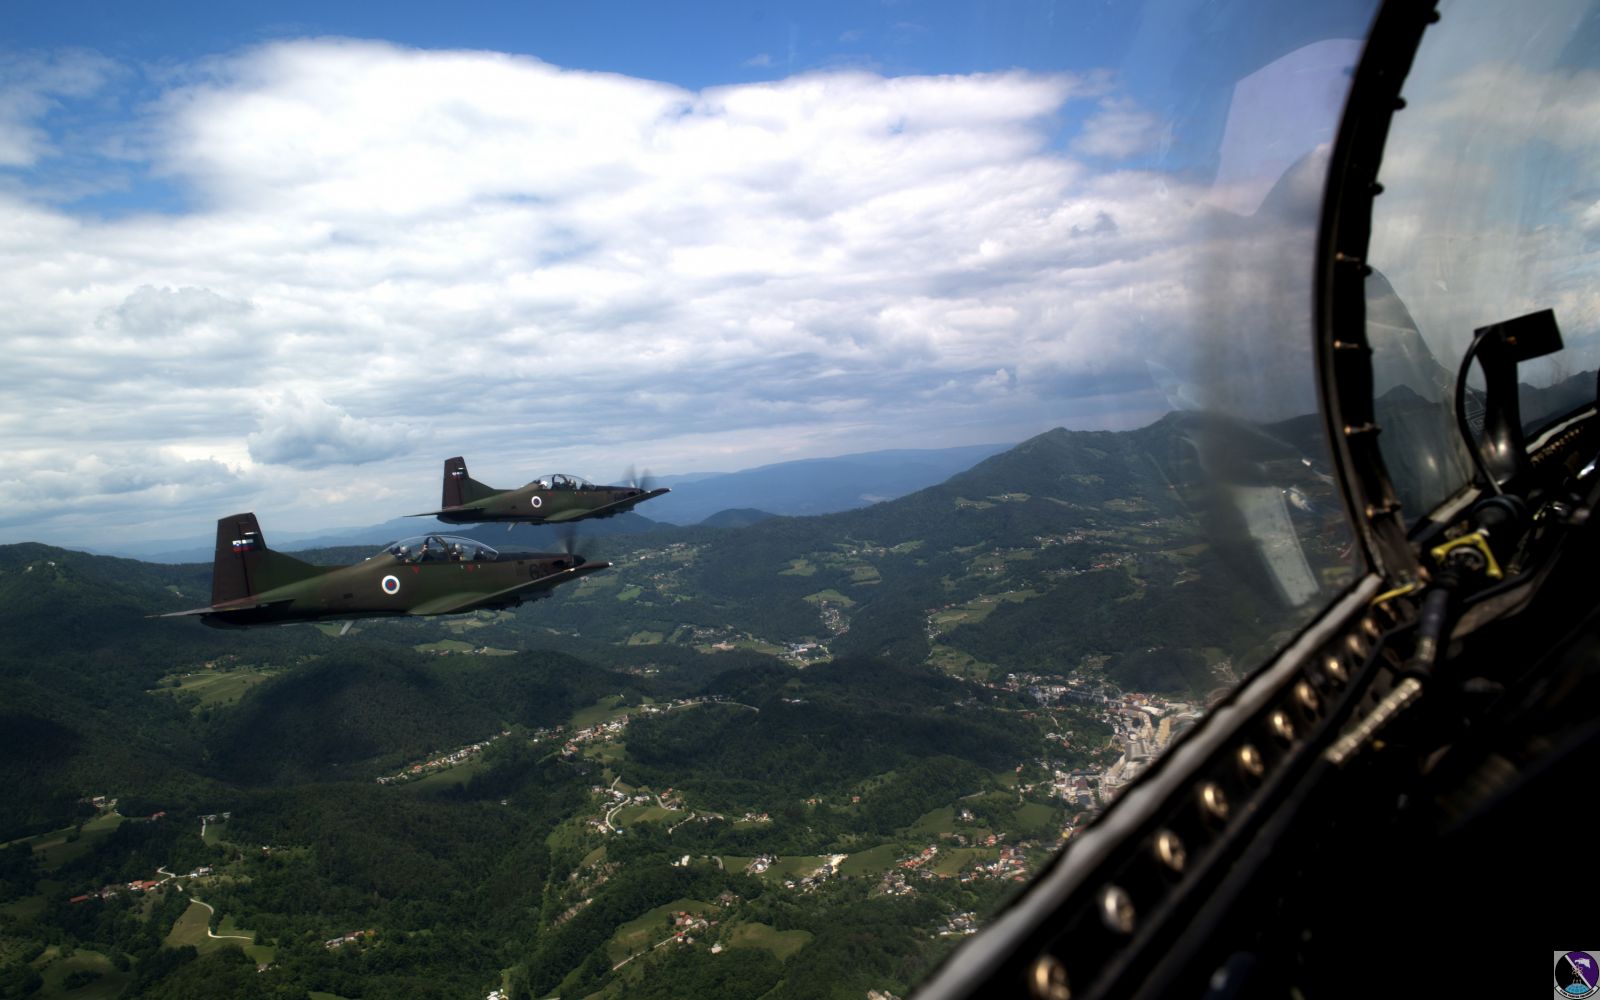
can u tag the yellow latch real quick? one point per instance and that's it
(1476, 540)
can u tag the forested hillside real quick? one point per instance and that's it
(793, 757)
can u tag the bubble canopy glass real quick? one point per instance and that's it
(562, 481)
(441, 548)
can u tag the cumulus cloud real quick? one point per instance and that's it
(110, 488)
(399, 255)
(304, 432)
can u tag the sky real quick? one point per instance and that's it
(288, 258)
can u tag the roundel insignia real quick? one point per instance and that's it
(536, 500)
(391, 585)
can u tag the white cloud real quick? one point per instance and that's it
(304, 432)
(30, 87)
(760, 60)
(1120, 129)
(400, 255)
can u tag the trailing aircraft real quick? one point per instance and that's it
(427, 575)
(549, 499)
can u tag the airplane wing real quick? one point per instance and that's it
(452, 603)
(615, 507)
(448, 510)
(219, 608)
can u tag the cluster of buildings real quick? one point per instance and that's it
(684, 924)
(1012, 864)
(353, 937)
(805, 653)
(450, 759)
(602, 732)
(916, 861)
(823, 872)
(833, 618)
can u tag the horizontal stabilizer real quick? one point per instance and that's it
(217, 609)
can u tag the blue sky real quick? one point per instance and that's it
(288, 258)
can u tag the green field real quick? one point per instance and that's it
(959, 664)
(782, 944)
(644, 814)
(214, 831)
(872, 861)
(799, 567)
(606, 753)
(215, 687)
(192, 927)
(941, 820)
(951, 860)
(645, 639)
(830, 597)
(630, 592)
(792, 867)
(603, 710)
(450, 777)
(1033, 814)
(745, 642)
(645, 930)
(54, 849)
(55, 970)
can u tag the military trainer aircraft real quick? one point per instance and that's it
(547, 500)
(426, 575)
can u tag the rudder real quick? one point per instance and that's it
(239, 541)
(461, 489)
(244, 566)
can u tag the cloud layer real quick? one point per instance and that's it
(394, 255)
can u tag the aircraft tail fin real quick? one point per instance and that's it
(244, 566)
(461, 489)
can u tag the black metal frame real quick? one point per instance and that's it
(1344, 356)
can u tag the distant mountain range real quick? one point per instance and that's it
(731, 499)
(816, 485)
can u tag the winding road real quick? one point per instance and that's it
(213, 911)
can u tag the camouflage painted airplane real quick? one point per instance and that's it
(546, 500)
(426, 575)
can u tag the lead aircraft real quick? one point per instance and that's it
(551, 499)
(426, 575)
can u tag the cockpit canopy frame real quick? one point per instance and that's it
(561, 481)
(435, 547)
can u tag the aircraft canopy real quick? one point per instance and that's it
(441, 548)
(562, 481)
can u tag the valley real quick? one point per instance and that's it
(800, 757)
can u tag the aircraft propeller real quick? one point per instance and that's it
(639, 482)
(569, 542)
